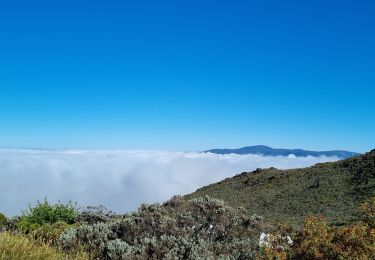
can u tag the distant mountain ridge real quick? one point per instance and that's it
(268, 151)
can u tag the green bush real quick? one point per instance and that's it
(45, 213)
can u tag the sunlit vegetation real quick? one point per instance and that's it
(318, 240)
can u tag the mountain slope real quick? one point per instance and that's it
(332, 189)
(265, 150)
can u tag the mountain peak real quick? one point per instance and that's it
(268, 151)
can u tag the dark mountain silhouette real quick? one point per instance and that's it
(268, 151)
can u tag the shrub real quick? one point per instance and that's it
(278, 245)
(317, 240)
(118, 249)
(178, 229)
(92, 215)
(45, 213)
(354, 242)
(49, 233)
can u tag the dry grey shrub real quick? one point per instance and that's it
(93, 215)
(202, 228)
(118, 249)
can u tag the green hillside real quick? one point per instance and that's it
(286, 196)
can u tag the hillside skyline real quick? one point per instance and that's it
(270, 151)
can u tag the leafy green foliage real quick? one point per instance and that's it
(45, 222)
(45, 213)
(286, 196)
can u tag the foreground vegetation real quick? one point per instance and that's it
(318, 240)
(15, 246)
(202, 227)
(178, 229)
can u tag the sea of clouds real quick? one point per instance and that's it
(120, 179)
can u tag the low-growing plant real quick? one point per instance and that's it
(19, 247)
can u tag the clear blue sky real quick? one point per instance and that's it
(187, 75)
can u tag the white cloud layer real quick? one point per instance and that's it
(121, 180)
